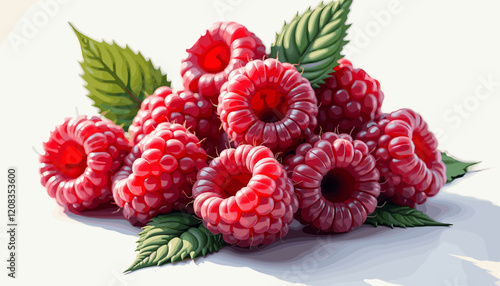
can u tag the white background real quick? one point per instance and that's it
(435, 57)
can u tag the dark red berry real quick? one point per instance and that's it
(183, 107)
(407, 157)
(336, 182)
(348, 99)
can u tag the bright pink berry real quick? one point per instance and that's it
(225, 47)
(348, 99)
(245, 195)
(336, 182)
(183, 107)
(80, 157)
(268, 103)
(407, 157)
(158, 174)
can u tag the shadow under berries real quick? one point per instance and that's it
(367, 252)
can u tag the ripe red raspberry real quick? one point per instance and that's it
(245, 195)
(225, 47)
(407, 157)
(268, 103)
(183, 107)
(336, 182)
(80, 157)
(157, 175)
(348, 99)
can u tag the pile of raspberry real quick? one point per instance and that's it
(247, 145)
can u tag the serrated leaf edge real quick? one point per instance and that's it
(150, 77)
(340, 8)
(387, 215)
(175, 247)
(450, 160)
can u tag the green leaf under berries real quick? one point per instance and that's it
(314, 40)
(392, 215)
(174, 237)
(117, 79)
(454, 168)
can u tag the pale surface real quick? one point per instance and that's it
(429, 56)
(10, 13)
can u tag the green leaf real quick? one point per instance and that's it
(117, 79)
(392, 215)
(454, 168)
(314, 40)
(174, 237)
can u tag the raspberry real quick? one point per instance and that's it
(407, 157)
(157, 175)
(80, 157)
(180, 106)
(225, 47)
(336, 182)
(268, 103)
(348, 99)
(245, 195)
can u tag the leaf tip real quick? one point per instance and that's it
(129, 270)
(78, 33)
